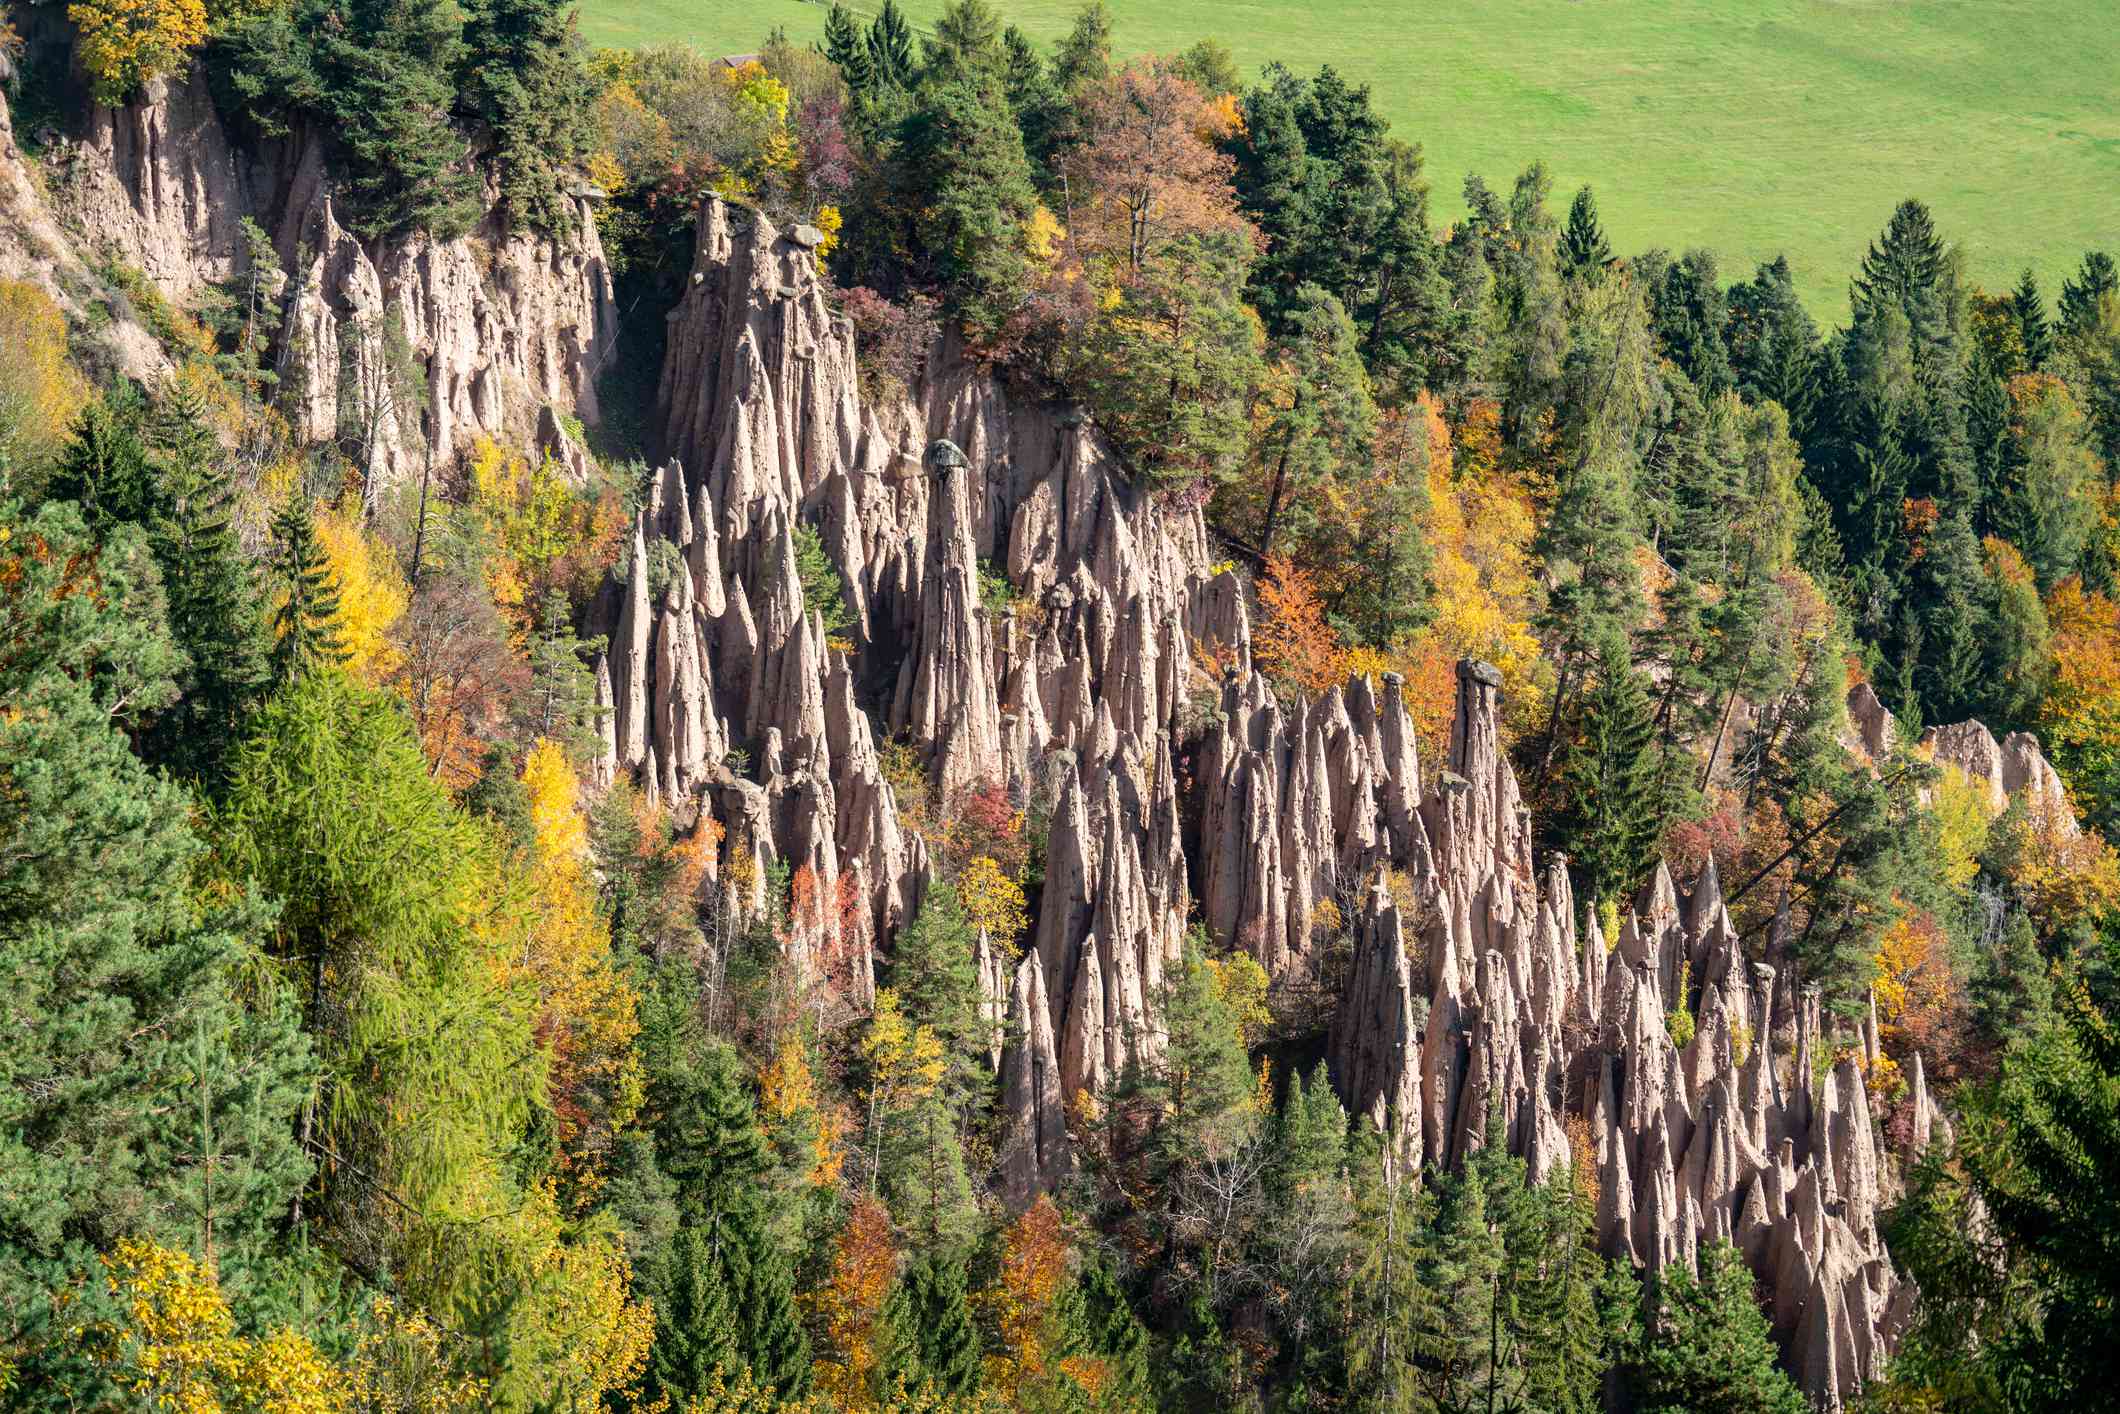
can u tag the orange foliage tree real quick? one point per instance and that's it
(1022, 1310)
(1148, 170)
(849, 1305)
(1292, 642)
(1917, 997)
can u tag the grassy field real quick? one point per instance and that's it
(1753, 127)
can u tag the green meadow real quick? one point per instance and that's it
(1752, 127)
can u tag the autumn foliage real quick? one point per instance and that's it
(1292, 642)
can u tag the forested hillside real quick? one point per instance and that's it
(941, 724)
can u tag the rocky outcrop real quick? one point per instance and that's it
(502, 324)
(1024, 619)
(2004, 773)
(37, 248)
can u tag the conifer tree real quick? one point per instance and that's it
(845, 46)
(1771, 340)
(306, 623)
(1084, 56)
(1906, 269)
(1708, 1349)
(105, 467)
(761, 1287)
(709, 1139)
(140, 1092)
(2029, 307)
(890, 44)
(1098, 1321)
(522, 75)
(936, 975)
(960, 190)
(212, 594)
(930, 1341)
(1609, 821)
(695, 1325)
(2080, 293)
(1584, 252)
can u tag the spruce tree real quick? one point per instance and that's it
(2080, 294)
(761, 1288)
(959, 184)
(105, 467)
(890, 44)
(935, 970)
(2029, 307)
(1708, 1349)
(1098, 1321)
(1084, 56)
(966, 39)
(1609, 820)
(930, 1342)
(1906, 269)
(709, 1138)
(306, 623)
(378, 79)
(212, 593)
(695, 1326)
(149, 1074)
(846, 47)
(1584, 252)
(522, 74)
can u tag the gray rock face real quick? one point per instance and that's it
(1474, 983)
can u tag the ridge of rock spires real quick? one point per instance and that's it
(510, 326)
(1475, 985)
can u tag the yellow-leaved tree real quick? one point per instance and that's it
(993, 902)
(124, 43)
(372, 595)
(40, 391)
(589, 1013)
(174, 1344)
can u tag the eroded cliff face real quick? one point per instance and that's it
(1473, 987)
(503, 325)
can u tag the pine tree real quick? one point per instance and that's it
(410, 973)
(936, 975)
(2029, 306)
(2080, 294)
(306, 623)
(2009, 1230)
(1772, 342)
(1609, 822)
(1584, 252)
(1708, 1349)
